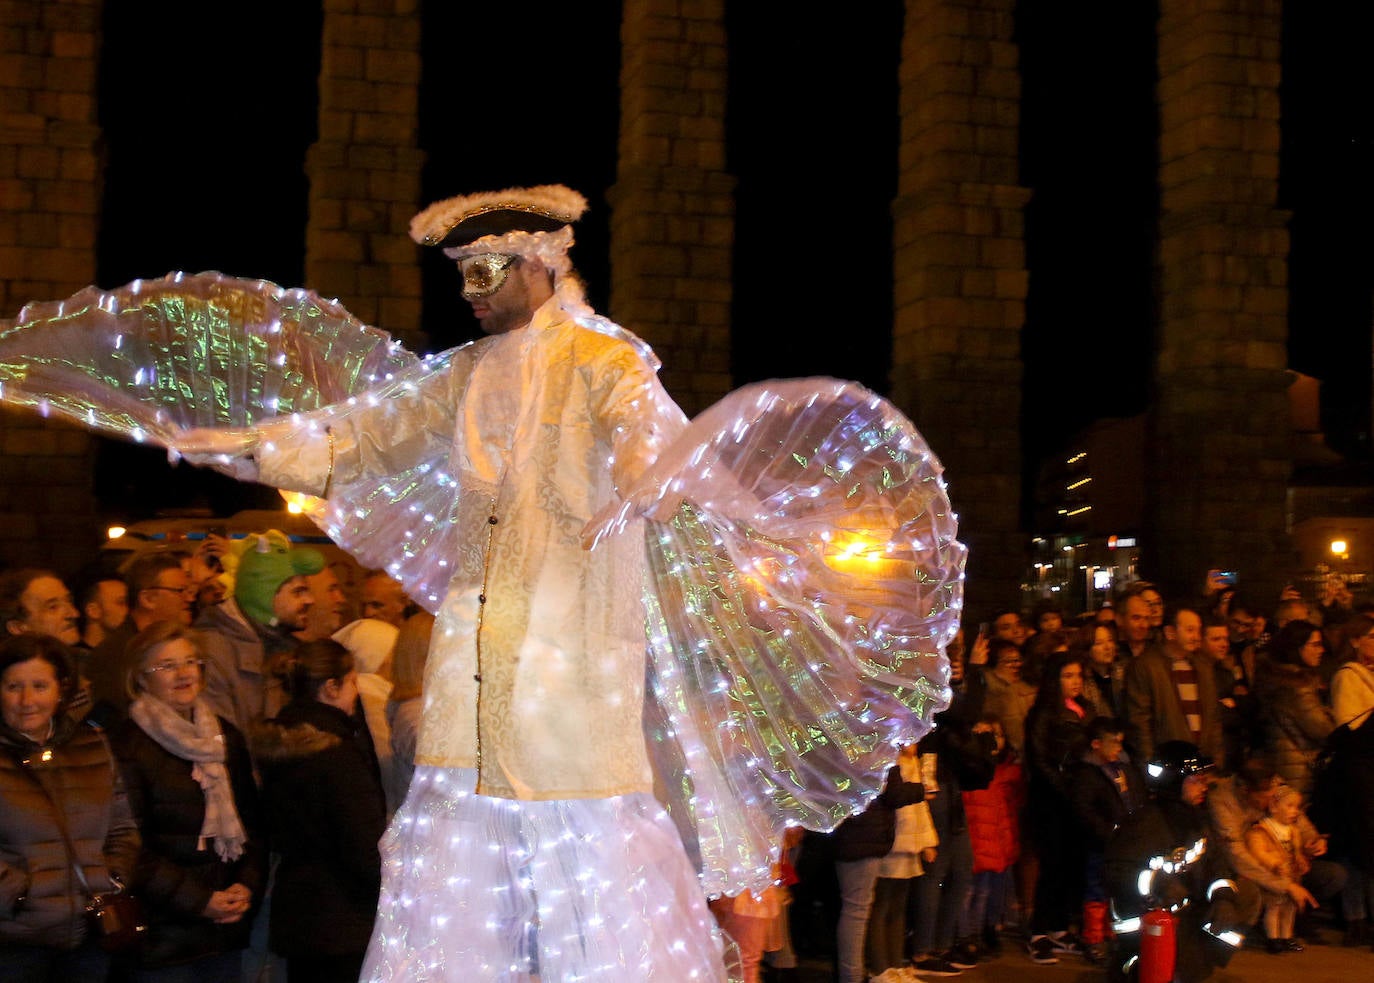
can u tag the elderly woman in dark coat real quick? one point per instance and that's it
(1293, 710)
(63, 819)
(190, 782)
(322, 791)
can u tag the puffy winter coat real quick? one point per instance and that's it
(994, 819)
(1296, 721)
(175, 876)
(322, 791)
(41, 901)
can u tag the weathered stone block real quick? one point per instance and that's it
(399, 67)
(328, 245)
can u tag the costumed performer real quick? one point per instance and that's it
(787, 562)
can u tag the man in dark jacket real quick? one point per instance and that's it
(1171, 693)
(159, 590)
(1162, 858)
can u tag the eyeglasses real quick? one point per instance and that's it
(183, 591)
(196, 664)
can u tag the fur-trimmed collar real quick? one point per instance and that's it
(277, 742)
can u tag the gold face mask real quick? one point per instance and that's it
(484, 274)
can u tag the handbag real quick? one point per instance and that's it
(115, 918)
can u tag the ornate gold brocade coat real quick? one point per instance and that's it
(536, 671)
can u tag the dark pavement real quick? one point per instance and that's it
(1330, 963)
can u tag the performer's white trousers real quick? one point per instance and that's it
(477, 888)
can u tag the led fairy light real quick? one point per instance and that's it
(733, 504)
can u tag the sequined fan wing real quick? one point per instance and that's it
(202, 350)
(805, 578)
(155, 356)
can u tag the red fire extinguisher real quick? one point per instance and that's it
(1157, 946)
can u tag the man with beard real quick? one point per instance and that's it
(326, 615)
(241, 635)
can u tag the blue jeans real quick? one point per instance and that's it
(942, 895)
(986, 904)
(857, 878)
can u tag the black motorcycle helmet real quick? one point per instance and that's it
(1171, 763)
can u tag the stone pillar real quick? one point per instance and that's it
(672, 218)
(365, 168)
(1220, 453)
(50, 181)
(960, 272)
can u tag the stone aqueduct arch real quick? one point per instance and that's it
(959, 254)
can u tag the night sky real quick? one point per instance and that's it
(207, 120)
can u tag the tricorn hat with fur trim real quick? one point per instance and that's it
(458, 222)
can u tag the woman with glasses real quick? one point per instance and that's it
(190, 782)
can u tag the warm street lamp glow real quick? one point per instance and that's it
(299, 504)
(1339, 547)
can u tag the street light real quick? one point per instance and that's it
(1340, 548)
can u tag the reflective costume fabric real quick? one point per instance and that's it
(782, 570)
(479, 888)
(538, 428)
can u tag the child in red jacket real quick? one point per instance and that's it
(994, 830)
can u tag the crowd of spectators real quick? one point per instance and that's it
(182, 726)
(206, 730)
(1276, 695)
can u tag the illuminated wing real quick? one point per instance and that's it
(155, 356)
(801, 597)
(204, 350)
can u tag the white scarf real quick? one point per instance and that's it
(201, 742)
